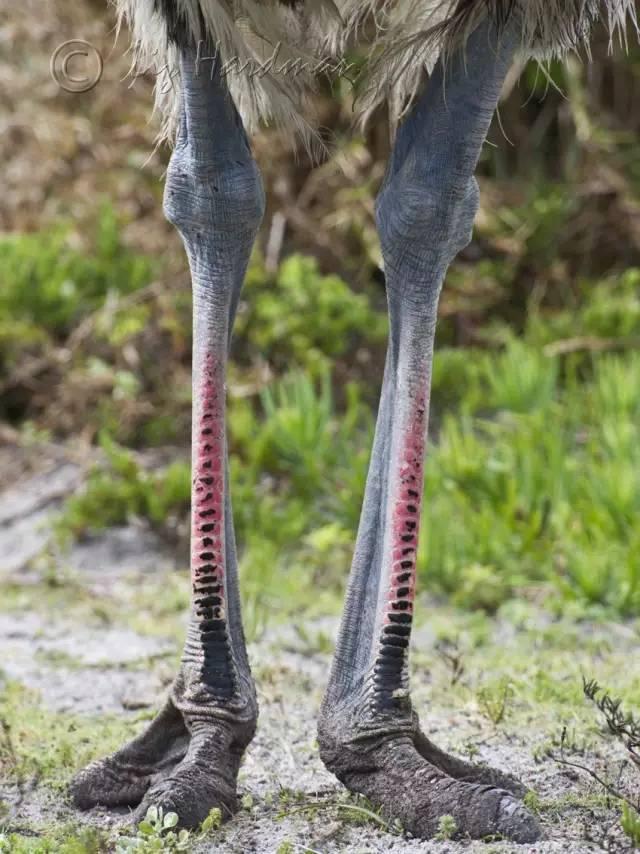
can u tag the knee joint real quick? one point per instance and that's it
(415, 214)
(198, 197)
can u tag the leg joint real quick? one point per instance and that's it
(349, 741)
(200, 197)
(424, 223)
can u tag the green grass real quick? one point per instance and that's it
(38, 744)
(120, 489)
(61, 839)
(302, 317)
(537, 484)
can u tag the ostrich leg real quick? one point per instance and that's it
(187, 760)
(368, 734)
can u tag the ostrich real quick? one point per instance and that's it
(369, 736)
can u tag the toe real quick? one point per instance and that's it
(123, 778)
(107, 783)
(468, 772)
(516, 822)
(204, 780)
(191, 794)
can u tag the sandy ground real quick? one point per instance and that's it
(92, 670)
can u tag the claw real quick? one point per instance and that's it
(516, 822)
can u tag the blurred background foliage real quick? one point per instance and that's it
(533, 482)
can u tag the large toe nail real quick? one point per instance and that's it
(516, 822)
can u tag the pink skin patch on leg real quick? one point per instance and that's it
(207, 513)
(406, 516)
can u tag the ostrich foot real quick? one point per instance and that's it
(415, 783)
(182, 762)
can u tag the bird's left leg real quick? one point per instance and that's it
(368, 733)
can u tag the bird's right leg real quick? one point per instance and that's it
(187, 760)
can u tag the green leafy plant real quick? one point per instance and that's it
(304, 317)
(620, 723)
(447, 828)
(120, 488)
(157, 832)
(48, 283)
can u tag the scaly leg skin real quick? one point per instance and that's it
(369, 735)
(187, 760)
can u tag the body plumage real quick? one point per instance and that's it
(401, 39)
